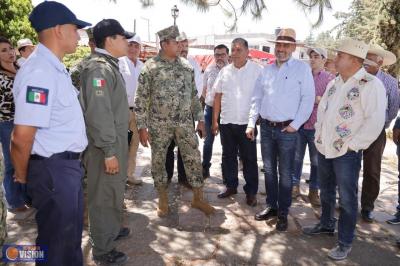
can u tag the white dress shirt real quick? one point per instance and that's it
(284, 93)
(130, 73)
(351, 114)
(198, 76)
(236, 86)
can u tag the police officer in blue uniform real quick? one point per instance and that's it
(50, 134)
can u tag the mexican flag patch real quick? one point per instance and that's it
(37, 95)
(98, 83)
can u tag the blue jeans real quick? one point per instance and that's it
(15, 192)
(277, 149)
(342, 171)
(209, 140)
(233, 137)
(305, 137)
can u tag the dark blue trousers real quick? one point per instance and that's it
(55, 186)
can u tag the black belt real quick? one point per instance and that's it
(278, 124)
(66, 155)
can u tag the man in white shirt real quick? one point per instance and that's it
(350, 117)
(25, 48)
(284, 97)
(233, 91)
(130, 67)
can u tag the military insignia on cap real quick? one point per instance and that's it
(98, 83)
(346, 111)
(37, 95)
(353, 94)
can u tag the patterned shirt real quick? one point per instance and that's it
(392, 94)
(210, 75)
(7, 107)
(351, 114)
(321, 80)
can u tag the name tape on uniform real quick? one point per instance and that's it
(99, 83)
(37, 95)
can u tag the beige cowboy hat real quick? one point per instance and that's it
(353, 47)
(286, 35)
(388, 57)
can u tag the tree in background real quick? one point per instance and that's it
(374, 21)
(14, 23)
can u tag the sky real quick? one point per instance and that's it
(280, 13)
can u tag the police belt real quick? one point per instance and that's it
(66, 155)
(278, 124)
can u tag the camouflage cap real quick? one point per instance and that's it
(89, 32)
(169, 33)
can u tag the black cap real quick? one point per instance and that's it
(50, 14)
(109, 27)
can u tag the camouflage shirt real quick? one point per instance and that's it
(167, 94)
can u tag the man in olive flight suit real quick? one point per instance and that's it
(166, 100)
(106, 111)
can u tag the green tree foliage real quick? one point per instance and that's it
(73, 59)
(374, 21)
(14, 23)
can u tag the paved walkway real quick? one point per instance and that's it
(232, 236)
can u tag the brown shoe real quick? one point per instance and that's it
(314, 197)
(251, 200)
(227, 193)
(295, 192)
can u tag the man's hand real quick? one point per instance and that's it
(201, 130)
(112, 166)
(289, 129)
(20, 179)
(144, 137)
(250, 133)
(396, 136)
(215, 128)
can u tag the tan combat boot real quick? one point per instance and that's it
(314, 197)
(199, 202)
(162, 202)
(295, 192)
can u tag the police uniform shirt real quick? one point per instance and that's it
(46, 99)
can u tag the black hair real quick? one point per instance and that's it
(221, 46)
(242, 41)
(102, 43)
(5, 40)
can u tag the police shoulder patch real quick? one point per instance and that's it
(36, 95)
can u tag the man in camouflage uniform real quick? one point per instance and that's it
(77, 69)
(166, 100)
(106, 111)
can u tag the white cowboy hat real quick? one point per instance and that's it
(353, 47)
(321, 51)
(388, 57)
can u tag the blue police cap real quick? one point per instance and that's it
(50, 14)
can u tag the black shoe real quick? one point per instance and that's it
(251, 200)
(124, 232)
(367, 216)
(317, 230)
(398, 242)
(282, 223)
(266, 214)
(112, 258)
(206, 172)
(395, 220)
(227, 193)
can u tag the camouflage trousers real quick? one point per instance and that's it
(186, 140)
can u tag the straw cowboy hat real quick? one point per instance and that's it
(287, 35)
(353, 47)
(388, 57)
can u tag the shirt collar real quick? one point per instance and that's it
(289, 62)
(51, 57)
(243, 67)
(102, 51)
(359, 75)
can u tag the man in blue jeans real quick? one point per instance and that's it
(306, 132)
(221, 53)
(284, 97)
(351, 115)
